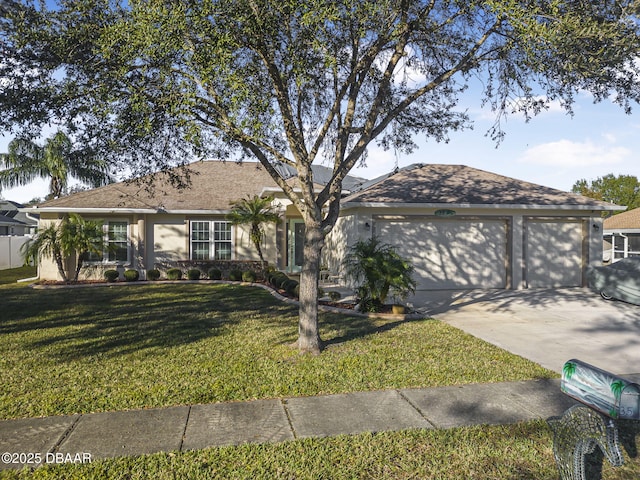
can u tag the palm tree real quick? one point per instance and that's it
(82, 236)
(46, 243)
(57, 160)
(378, 269)
(254, 212)
(72, 235)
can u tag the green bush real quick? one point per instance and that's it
(174, 274)
(153, 274)
(235, 275)
(249, 276)
(194, 274)
(111, 275)
(378, 271)
(131, 275)
(290, 287)
(278, 280)
(214, 274)
(334, 296)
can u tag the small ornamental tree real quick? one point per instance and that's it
(378, 271)
(72, 236)
(254, 212)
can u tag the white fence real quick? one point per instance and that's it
(10, 256)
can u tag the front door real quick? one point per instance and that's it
(295, 244)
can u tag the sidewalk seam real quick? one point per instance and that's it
(184, 431)
(416, 408)
(66, 434)
(283, 402)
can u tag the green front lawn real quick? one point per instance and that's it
(91, 349)
(133, 346)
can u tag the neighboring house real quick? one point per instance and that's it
(461, 227)
(622, 235)
(16, 228)
(14, 221)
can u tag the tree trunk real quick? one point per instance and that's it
(59, 263)
(308, 333)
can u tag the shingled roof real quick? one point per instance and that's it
(213, 185)
(462, 185)
(628, 220)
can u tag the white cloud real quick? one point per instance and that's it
(567, 153)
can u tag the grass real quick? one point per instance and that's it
(12, 275)
(94, 349)
(132, 346)
(505, 452)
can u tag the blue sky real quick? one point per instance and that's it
(553, 149)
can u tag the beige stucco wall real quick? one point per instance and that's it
(169, 238)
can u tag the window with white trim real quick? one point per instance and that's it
(116, 241)
(211, 240)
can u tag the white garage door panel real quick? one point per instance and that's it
(451, 254)
(553, 254)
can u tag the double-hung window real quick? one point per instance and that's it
(116, 242)
(211, 240)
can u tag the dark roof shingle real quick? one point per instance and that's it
(462, 185)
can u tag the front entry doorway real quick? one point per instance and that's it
(295, 244)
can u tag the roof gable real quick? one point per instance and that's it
(462, 185)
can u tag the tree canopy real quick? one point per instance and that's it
(151, 83)
(618, 189)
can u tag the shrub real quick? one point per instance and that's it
(194, 274)
(174, 274)
(293, 288)
(111, 275)
(378, 270)
(289, 286)
(131, 275)
(279, 280)
(249, 276)
(235, 275)
(153, 274)
(215, 274)
(334, 296)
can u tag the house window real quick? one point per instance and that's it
(116, 240)
(211, 240)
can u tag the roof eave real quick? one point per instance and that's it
(128, 211)
(492, 206)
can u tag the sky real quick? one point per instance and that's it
(553, 149)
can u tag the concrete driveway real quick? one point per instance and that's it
(548, 326)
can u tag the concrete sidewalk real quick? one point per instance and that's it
(83, 438)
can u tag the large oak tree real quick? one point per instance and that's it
(155, 82)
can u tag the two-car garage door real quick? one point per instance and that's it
(476, 253)
(450, 254)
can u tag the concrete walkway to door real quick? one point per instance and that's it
(547, 326)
